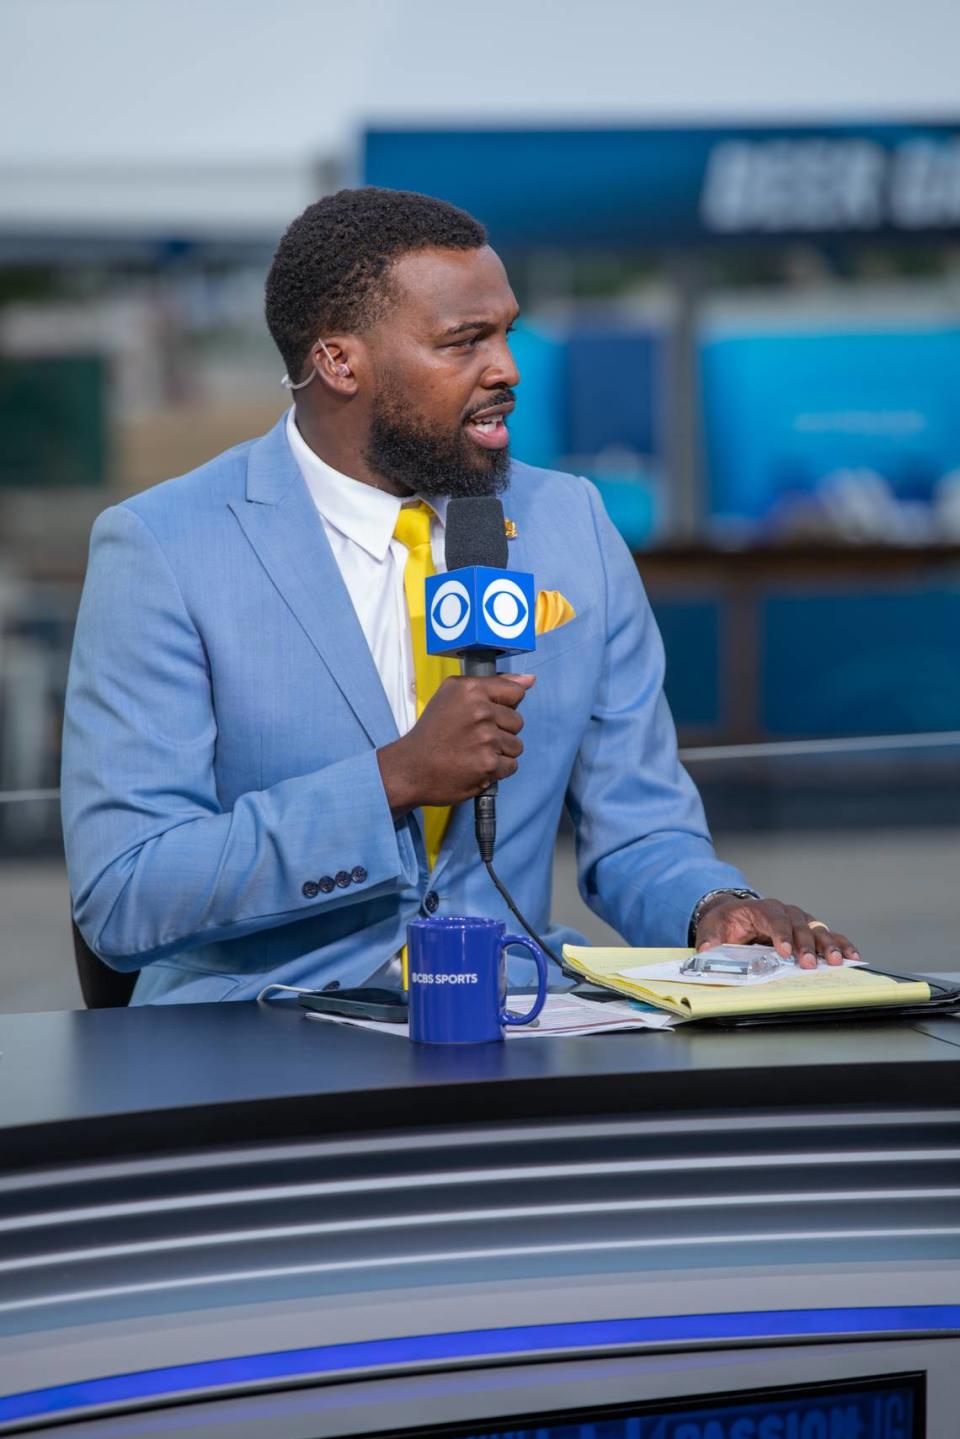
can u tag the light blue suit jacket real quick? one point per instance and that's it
(222, 717)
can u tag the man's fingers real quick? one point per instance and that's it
(507, 719)
(804, 938)
(781, 927)
(832, 947)
(508, 689)
(505, 768)
(847, 947)
(767, 921)
(510, 745)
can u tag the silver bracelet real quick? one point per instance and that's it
(705, 899)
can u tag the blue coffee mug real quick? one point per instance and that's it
(458, 980)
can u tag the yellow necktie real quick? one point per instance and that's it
(413, 530)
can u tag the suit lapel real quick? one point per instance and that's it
(280, 521)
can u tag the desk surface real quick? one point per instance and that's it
(87, 1082)
(203, 1181)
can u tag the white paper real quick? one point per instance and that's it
(571, 1014)
(562, 1014)
(786, 968)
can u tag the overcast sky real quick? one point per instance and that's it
(194, 83)
(186, 80)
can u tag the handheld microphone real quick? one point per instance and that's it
(475, 536)
(479, 610)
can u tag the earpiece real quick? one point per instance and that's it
(336, 366)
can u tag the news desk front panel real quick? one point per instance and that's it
(283, 1227)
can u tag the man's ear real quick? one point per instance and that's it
(335, 359)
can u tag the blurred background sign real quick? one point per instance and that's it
(856, 426)
(662, 186)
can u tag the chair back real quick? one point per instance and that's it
(101, 986)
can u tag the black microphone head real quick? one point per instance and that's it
(475, 533)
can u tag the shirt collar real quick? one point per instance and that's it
(365, 515)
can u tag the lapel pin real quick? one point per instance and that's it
(510, 529)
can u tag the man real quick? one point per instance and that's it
(253, 790)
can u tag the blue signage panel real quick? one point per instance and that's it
(870, 417)
(648, 186)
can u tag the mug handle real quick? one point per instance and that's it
(537, 954)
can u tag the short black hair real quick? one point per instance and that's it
(331, 269)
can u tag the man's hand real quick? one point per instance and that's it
(467, 737)
(730, 920)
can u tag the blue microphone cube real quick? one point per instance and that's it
(478, 608)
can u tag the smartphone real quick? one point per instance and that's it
(389, 1006)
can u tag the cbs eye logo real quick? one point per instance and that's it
(450, 611)
(505, 609)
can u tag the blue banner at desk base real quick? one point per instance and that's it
(220, 1377)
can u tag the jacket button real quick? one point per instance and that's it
(310, 889)
(358, 875)
(431, 901)
(326, 883)
(343, 879)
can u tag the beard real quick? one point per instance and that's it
(407, 452)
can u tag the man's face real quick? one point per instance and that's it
(444, 374)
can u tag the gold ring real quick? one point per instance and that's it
(816, 924)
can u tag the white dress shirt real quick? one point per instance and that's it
(359, 523)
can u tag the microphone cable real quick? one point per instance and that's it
(508, 900)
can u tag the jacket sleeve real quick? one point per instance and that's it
(156, 865)
(643, 848)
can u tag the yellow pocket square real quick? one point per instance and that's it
(551, 611)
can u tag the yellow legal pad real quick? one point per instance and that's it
(821, 988)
